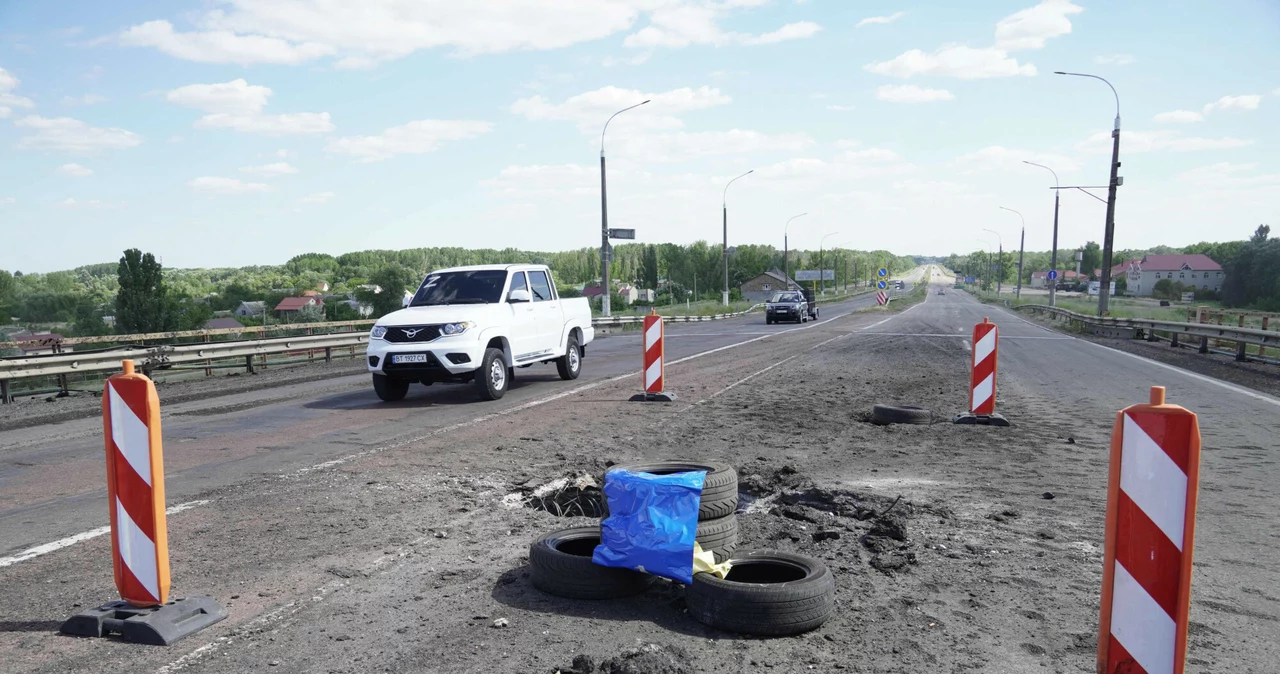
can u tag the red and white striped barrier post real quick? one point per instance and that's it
(139, 541)
(1151, 521)
(982, 377)
(654, 365)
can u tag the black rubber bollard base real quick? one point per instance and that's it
(972, 419)
(664, 397)
(156, 625)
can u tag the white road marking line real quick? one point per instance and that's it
(32, 553)
(746, 378)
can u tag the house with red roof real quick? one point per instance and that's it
(1196, 271)
(290, 306)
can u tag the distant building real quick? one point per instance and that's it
(1192, 271)
(222, 324)
(323, 286)
(592, 291)
(38, 343)
(311, 293)
(290, 306)
(250, 309)
(762, 287)
(628, 293)
(646, 295)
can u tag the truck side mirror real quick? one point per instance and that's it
(519, 295)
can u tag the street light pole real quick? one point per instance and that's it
(1104, 289)
(724, 209)
(786, 259)
(604, 220)
(1022, 248)
(822, 282)
(999, 262)
(1053, 257)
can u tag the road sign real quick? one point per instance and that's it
(882, 272)
(882, 285)
(968, 279)
(806, 274)
(882, 297)
(622, 233)
(1053, 274)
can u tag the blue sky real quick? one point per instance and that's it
(234, 132)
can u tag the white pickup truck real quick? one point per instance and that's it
(477, 324)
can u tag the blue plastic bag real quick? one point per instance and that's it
(652, 523)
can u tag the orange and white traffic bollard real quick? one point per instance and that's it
(982, 377)
(1151, 520)
(654, 362)
(139, 542)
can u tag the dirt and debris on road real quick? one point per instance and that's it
(947, 554)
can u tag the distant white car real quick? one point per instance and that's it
(475, 325)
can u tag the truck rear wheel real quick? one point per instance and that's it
(570, 364)
(390, 389)
(492, 377)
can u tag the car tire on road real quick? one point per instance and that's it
(719, 487)
(900, 414)
(766, 593)
(560, 564)
(390, 389)
(493, 376)
(570, 364)
(720, 536)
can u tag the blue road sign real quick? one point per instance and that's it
(882, 272)
(1053, 274)
(881, 285)
(968, 279)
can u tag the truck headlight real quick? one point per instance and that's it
(378, 332)
(456, 328)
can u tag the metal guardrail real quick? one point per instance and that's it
(152, 336)
(1147, 328)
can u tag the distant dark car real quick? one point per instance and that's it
(942, 291)
(788, 305)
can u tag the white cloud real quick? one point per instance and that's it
(75, 170)
(880, 19)
(910, 93)
(92, 204)
(842, 108)
(417, 137)
(1179, 117)
(269, 170)
(966, 63)
(1152, 141)
(847, 144)
(679, 24)
(175, 139)
(215, 185)
(8, 99)
(8, 200)
(997, 158)
(237, 105)
(362, 33)
(1031, 27)
(592, 108)
(1114, 60)
(64, 134)
(1249, 102)
(282, 153)
(87, 99)
(234, 97)
(681, 146)
(317, 198)
(222, 46)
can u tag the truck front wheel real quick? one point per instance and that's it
(492, 376)
(390, 389)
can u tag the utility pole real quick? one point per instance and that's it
(786, 258)
(999, 261)
(1053, 259)
(724, 207)
(605, 252)
(1104, 288)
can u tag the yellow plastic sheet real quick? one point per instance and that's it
(704, 561)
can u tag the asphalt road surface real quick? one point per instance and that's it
(348, 535)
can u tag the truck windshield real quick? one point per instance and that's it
(461, 287)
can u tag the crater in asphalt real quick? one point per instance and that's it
(573, 495)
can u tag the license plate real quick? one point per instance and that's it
(410, 358)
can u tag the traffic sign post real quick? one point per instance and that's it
(882, 272)
(982, 378)
(882, 297)
(1053, 274)
(622, 233)
(882, 285)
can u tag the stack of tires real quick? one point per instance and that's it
(765, 593)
